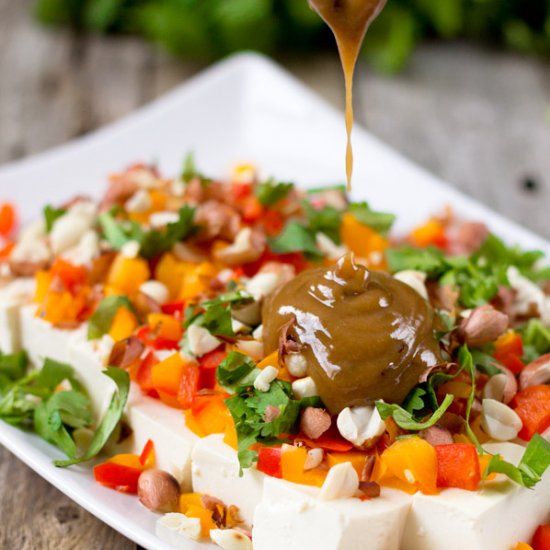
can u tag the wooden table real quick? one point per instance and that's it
(475, 117)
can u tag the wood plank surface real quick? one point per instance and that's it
(474, 117)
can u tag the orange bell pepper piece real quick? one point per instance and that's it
(170, 272)
(166, 375)
(189, 385)
(533, 407)
(165, 326)
(509, 351)
(123, 325)
(525, 546)
(196, 279)
(191, 505)
(292, 467)
(128, 274)
(70, 275)
(413, 460)
(356, 458)
(432, 233)
(458, 466)
(362, 240)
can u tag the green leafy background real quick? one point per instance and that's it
(209, 29)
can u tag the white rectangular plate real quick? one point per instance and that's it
(243, 109)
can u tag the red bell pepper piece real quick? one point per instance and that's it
(251, 208)
(144, 373)
(331, 440)
(8, 219)
(173, 308)
(458, 466)
(269, 461)
(117, 476)
(533, 407)
(147, 456)
(213, 359)
(71, 275)
(241, 190)
(189, 385)
(541, 540)
(273, 222)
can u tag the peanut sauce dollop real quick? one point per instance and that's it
(365, 335)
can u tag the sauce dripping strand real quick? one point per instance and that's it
(349, 21)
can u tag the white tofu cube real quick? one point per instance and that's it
(290, 516)
(12, 297)
(497, 517)
(215, 472)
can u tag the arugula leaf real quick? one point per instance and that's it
(61, 410)
(53, 373)
(414, 400)
(51, 214)
(326, 220)
(110, 420)
(13, 365)
(189, 168)
(295, 237)
(485, 363)
(102, 319)
(466, 362)
(535, 461)
(118, 233)
(271, 192)
(215, 315)
(404, 419)
(380, 222)
(234, 368)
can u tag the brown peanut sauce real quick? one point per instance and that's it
(349, 21)
(365, 335)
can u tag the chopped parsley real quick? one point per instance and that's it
(270, 192)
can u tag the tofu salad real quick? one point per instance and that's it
(269, 367)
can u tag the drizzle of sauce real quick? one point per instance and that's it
(365, 335)
(349, 21)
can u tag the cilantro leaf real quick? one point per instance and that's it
(326, 220)
(430, 260)
(153, 242)
(51, 214)
(156, 242)
(404, 419)
(380, 222)
(234, 368)
(535, 461)
(110, 420)
(189, 168)
(102, 319)
(295, 237)
(271, 192)
(248, 408)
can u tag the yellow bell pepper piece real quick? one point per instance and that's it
(123, 325)
(128, 274)
(292, 466)
(414, 461)
(165, 326)
(167, 374)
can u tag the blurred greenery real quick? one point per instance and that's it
(208, 29)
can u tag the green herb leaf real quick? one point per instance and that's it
(534, 463)
(51, 214)
(110, 420)
(271, 192)
(536, 340)
(14, 365)
(295, 238)
(404, 419)
(248, 408)
(234, 368)
(430, 260)
(189, 168)
(380, 222)
(102, 319)
(326, 220)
